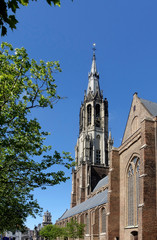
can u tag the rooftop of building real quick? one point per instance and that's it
(92, 202)
(150, 106)
(101, 183)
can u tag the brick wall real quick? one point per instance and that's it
(148, 213)
(113, 196)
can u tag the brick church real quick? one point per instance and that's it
(114, 190)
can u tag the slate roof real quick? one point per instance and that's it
(92, 202)
(101, 183)
(150, 106)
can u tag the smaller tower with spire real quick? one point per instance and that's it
(47, 218)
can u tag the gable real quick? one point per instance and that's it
(139, 110)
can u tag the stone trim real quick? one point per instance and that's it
(130, 141)
(128, 227)
(143, 146)
(142, 175)
(141, 205)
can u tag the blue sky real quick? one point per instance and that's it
(125, 33)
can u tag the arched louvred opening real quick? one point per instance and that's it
(89, 114)
(103, 220)
(81, 120)
(133, 188)
(97, 115)
(97, 110)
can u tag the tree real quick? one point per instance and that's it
(25, 85)
(51, 232)
(74, 229)
(8, 10)
(7, 6)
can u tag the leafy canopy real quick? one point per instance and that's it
(25, 85)
(11, 6)
(73, 230)
(51, 232)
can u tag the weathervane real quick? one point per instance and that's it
(94, 47)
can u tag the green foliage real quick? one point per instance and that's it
(74, 229)
(11, 6)
(51, 232)
(25, 85)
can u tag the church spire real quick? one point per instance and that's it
(93, 68)
(93, 76)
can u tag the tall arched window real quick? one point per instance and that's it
(87, 223)
(130, 196)
(103, 220)
(137, 186)
(93, 218)
(89, 114)
(133, 192)
(77, 189)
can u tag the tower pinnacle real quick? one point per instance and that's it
(93, 68)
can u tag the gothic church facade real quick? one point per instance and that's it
(114, 190)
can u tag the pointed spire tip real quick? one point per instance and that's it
(94, 48)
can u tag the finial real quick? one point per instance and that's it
(94, 48)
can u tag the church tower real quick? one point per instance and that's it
(47, 218)
(91, 151)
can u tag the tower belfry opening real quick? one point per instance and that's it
(91, 151)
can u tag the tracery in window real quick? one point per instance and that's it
(98, 156)
(133, 192)
(89, 114)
